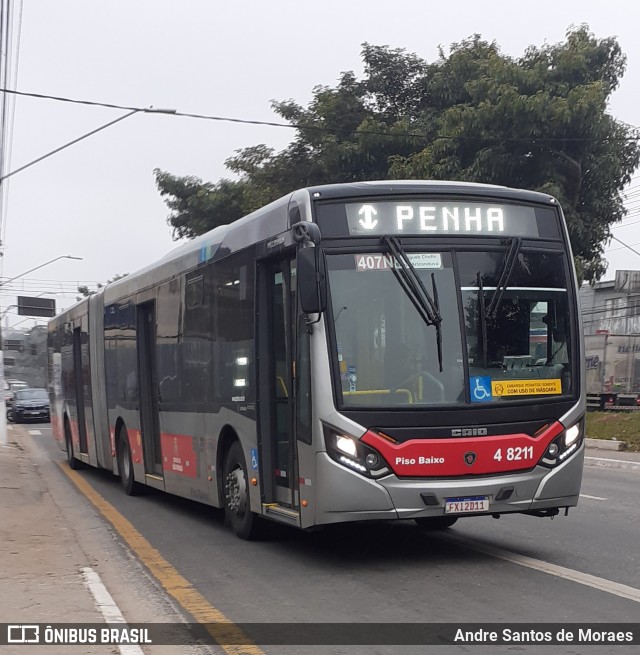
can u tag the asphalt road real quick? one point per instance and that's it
(481, 570)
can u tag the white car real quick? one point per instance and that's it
(10, 387)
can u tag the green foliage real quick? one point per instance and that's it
(537, 122)
(85, 292)
(621, 426)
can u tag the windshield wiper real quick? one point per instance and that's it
(427, 306)
(482, 317)
(505, 275)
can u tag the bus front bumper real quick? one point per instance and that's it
(343, 495)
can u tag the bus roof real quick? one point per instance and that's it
(384, 187)
(271, 220)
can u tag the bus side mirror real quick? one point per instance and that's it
(312, 280)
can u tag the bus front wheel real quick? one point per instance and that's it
(436, 522)
(236, 494)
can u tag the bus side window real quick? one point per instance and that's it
(233, 328)
(196, 343)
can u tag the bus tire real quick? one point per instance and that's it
(436, 522)
(125, 465)
(237, 510)
(72, 461)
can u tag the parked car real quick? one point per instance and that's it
(29, 405)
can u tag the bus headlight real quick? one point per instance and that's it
(564, 445)
(355, 455)
(571, 434)
(346, 445)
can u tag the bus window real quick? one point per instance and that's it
(526, 334)
(233, 326)
(387, 354)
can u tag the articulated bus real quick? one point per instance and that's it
(363, 351)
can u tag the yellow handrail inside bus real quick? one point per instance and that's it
(371, 392)
(283, 385)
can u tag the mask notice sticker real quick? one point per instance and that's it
(501, 388)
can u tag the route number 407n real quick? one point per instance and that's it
(514, 454)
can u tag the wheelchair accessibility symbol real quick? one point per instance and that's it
(480, 389)
(254, 459)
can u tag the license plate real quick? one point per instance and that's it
(466, 504)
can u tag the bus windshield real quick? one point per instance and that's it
(522, 348)
(387, 353)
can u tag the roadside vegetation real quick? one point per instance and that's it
(623, 426)
(473, 114)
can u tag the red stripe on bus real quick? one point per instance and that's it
(178, 455)
(466, 456)
(135, 443)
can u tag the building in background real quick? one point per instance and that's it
(612, 306)
(25, 355)
(611, 319)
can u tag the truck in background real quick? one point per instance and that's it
(612, 365)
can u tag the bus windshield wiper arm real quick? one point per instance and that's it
(428, 307)
(505, 275)
(482, 318)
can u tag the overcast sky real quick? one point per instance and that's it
(97, 200)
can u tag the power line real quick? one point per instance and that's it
(4, 189)
(319, 128)
(622, 247)
(64, 291)
(616, 227)
(602, 310)
(625, 245)
(56, 281)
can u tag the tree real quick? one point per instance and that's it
(85, 292)
(537, 122)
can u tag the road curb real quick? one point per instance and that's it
(610, 462)
(605, 444)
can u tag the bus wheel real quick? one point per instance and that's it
(436, 522)
(125, 465)
(73, 462)
(236, 495)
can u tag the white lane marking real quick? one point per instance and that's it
(620, 461)
(592, 497)
(602, 584)
(34, 432)
(107, 606)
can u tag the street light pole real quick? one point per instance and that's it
(3, 406)
(35, 268)
(147, 110)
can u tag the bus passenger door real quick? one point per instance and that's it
(277, 350)
(79, 368)
(147, 389)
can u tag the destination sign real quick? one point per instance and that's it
(431, 217)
